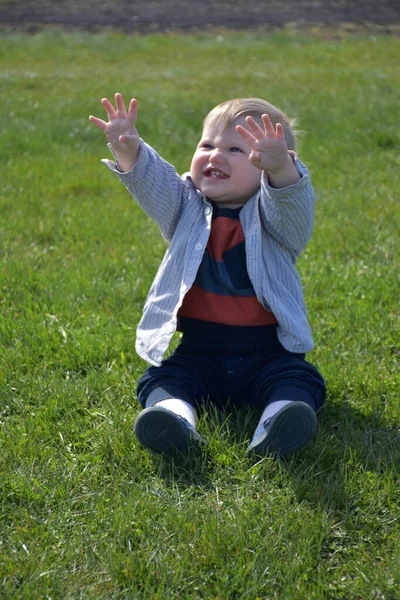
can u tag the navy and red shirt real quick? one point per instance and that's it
(222, 291)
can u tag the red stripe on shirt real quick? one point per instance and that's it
(230, 310)
(225, 233)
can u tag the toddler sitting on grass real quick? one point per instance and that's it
(235, 223)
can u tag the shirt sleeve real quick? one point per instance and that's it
(156, 187)
(288, 213)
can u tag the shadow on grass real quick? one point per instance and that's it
(349, 444)
(227, 432)
(193, 470)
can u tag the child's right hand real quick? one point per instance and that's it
(121, 131)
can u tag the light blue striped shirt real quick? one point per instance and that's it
(277, 223)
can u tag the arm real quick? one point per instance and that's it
(287, 214)
(121, 131)
(153, 182)
(287, 197)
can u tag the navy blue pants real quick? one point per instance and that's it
(248, 372)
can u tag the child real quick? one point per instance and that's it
(236, 224)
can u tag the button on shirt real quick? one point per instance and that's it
(277, 224)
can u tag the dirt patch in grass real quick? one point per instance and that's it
(194, 15)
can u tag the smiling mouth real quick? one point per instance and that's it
(215, 174)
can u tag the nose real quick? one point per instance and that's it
(216, 154)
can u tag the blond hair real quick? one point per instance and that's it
(227, 112)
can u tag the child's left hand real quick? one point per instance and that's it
(269, 151)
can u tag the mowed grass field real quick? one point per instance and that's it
(86, 513)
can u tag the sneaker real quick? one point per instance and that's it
(161, 430)
(287, 431)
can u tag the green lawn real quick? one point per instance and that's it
(86, 513)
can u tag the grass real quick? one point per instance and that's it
(85, 511)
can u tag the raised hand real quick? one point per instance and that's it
(269, 151)
(120, 130)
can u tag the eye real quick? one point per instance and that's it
(206, 146)
(236, 149)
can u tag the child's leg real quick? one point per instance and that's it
(294, 390)
(168, 423)
(164, 398)
(287, 423)
(168, 395)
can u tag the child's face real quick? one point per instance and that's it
(221, 169)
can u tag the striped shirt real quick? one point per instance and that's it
(277, 223)
(222, 291)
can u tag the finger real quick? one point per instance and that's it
(110, 110)
(268, 127)
(280, 132)
(120, 104)
(98, 122)
(246, 135)
(256, 130)
(132, 112)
